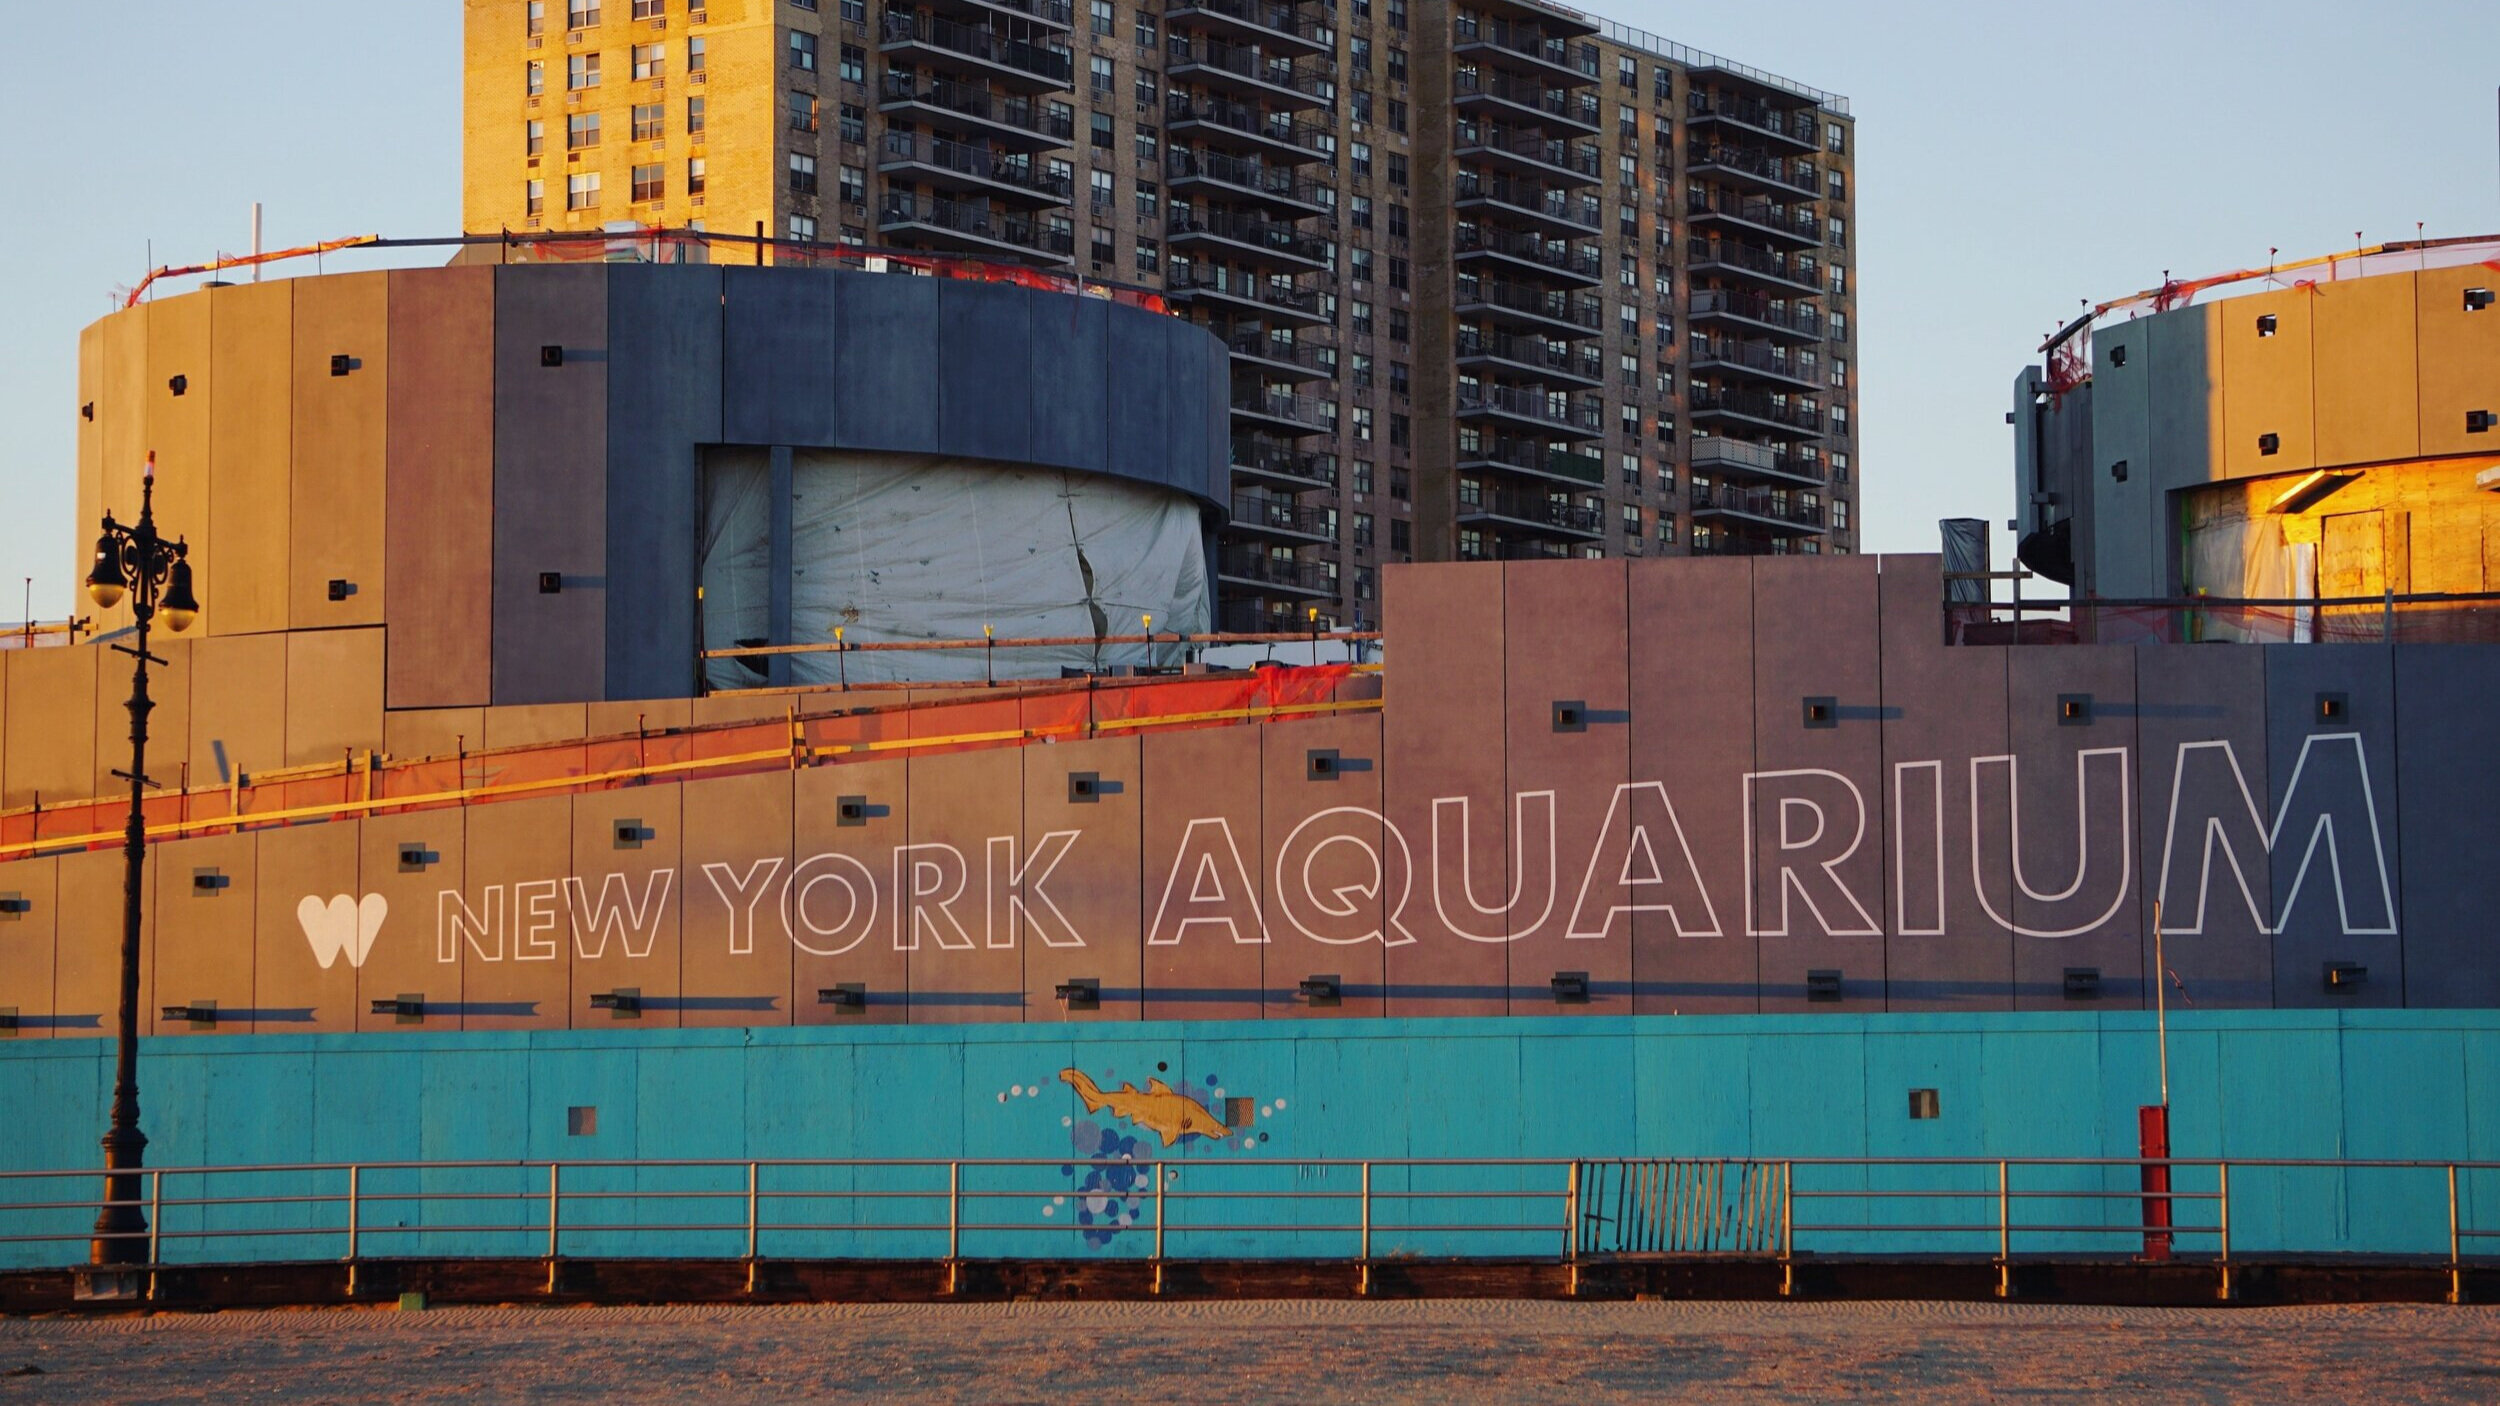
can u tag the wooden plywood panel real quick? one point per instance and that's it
(624, 895)
(544, 722)
(169, 722)
(51, 725)
(1204, 945)
(1339, 892)
(87, 942)
(122, 404)
(832, 864)
(1817, 823)
(649, 715)
(412, 861)
(251, 458)
(307, 905)
(238, 707)
(516, 976)
(340, 447)
(2057, 821)
(1081, 862)
(433, 732)
(2201, 722)
(438, 530)
(961, 969)
(178, 424)
(1691, 677)
(201, 945)
(2460, 359)
(1442, 729)
(2268, 380)
(1942, 705)
(1565, 638)
(551, 460)
(735, 956)
(333, 693)
(2367, 372)
(27, 939)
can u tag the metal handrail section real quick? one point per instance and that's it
(1759, 1218)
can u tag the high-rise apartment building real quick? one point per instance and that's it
(1501, 281)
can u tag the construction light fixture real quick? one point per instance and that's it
(2118, 471)
(1924, 1104)
(2308, 489)
(2479, 421)
(341, 588)
(179, 384)
(1822, 712)
(2074, 710)
(408, 1007)
(202, 1015)
(1322, 990)
(13, 904)
(2334, 708)
(551, 355)
(2266, 324)
(1081, 993)
(2345, 977)
(2083, 983)
(846, 997)
(551, 583)
(341, 364)
(624, 1003)
(1570, 988)
(414, 857)
(2118, 356)
(208, 881)
(1823, 984)
(2269, 443)
(2477, 299)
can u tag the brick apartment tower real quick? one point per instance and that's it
(1501, 281)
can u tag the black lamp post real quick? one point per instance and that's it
(157, 576)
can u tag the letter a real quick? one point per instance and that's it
(1218, 893)
(1641, 864)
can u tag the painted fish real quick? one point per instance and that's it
(1161, 1109)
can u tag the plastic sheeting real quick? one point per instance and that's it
(918, 547)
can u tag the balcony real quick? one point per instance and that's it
(1536, 309)
(1552, 209)
(1752, 360)
(1247, 239)
(1282, 358)
(1533, 410)
(1515, 550)
(1245, 295)
(1231, 176)
(1256, 515)
(1020, 64)
(1745, 261)
(1713, 454)
(1535, 457)
(1534, 254)
(1757, 215)
(1773, 508)
(1520, 47)
(1279, 138)
(1275, 28)
(957, 165)
(1277, 463)
(1281, 413)
(1755, 410)
(1548, 514)
(1516, 98)
(1057, 14)
(1717, 544)
(1011, 121)
(1242, 71)
(1779, 175)
(1773, 317)
(1794, 127)
(1273, 574)
(971, 228)
(1527, 152)
(1531, 358)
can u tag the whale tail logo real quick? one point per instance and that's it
(342, 926)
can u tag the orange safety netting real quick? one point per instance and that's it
(817, 729)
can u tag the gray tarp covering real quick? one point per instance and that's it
(916, 547)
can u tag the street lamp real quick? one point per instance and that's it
(157, 575)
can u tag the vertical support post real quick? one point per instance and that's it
(355, 1221)
(1571, 1224)
(1162, 1177)
(954, 1223)
(753, 1227)
(2456, 1264)
(1788, 1234)
(1363, 1279)
(781, 534)
(2005, 1229)
(156, 1226)
(2222, 1185)
(555, 1221)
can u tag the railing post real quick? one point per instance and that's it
(2005, 1230)
(354, 1223)
(753, 1227)
(1788, 1235)
(2222, 1185)
(1363, 1261)
(2456, 1264)
(1571, 1229)
(954, 1222)
(555, 1199)
(156, 1226)
(1161, 1177)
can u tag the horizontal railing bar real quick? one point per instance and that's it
(1991, 1194)
(1991, 1228)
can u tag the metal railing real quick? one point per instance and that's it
(1709, 302)
(1562, 155)
(1184, 163)
(1703, 105)
(1530, 351)
(1277, 127)
(1727, 253)
(981, 104)
(1535, 456)
(1525, 40)
(978, 162)
(1548, 510)
(1581, 421)
(1998, 1211)
(1536, 302)
(1552, 202)
(1252, 288)
(1558, 254)
(1756, 210)
(1796, 173)
(963, 217)
(1284, 19)
(1274, 236)
(1052, 65)
(1577, 108)
(1756, 406)
(1178, 52)
(1717, 453)
(1774, 504)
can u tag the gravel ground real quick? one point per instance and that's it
(1583, 1354)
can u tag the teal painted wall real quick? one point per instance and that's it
(2255, 1084)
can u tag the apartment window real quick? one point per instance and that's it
(534, 139)
(1840, 466)
(581, 191)
(1146, 40)
(1399, 381)
(854, 123)
(803, 228)
(697, 54)
(1102, 131)
(1628, 171)
(1362, 105)
(802, 173)
(1359, 155)
(1627, 71)
(537, 17)
(1362, 416)
(1362, 529)
(1840, 370)
(581, 71)
(1149, 201)
(855, 11)
(1628, 221)
(1661, 84)
(694, 117)
(580, 14)
(1839, 185)
(695, 173)
(1840, 279)
(1362, 54)
(1629, 275)
(1106, 248)
(1629, 466)
(1397, 115)
(650, 121)
(1062, 118)
(1106, 21)
(1359, 265)
(1840, 514)
(535, 198)
(803, 112)
(1101, 183)
(1399, 330)
(854, 184)
(1835, 137)
(1840, 326)
(1061, 172)
(650, 61)
(1666, 528)
(536, 82)
(807, 5)
(1629, 366)
(1401, 487)
(1836, 232)
(581, 130)
(1840, 419)
(1397, 221)
(1631, 520)
(1397, 170)
(1362, 476)
(1360, 316)
(1397, 16)
(854, 64)
(1147, 146)
(1397, 272)
(1401, 431)
(1101, 69)
(802, 51)
(650, 183)
(1362, 370)
(1149, 255)
(1401, 535)
(1397, 64)
(1630, 318)
(1145, 90)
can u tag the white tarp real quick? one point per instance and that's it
(918, 547)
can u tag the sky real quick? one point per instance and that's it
(2013, 163)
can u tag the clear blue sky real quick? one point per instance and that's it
(2012, 161)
